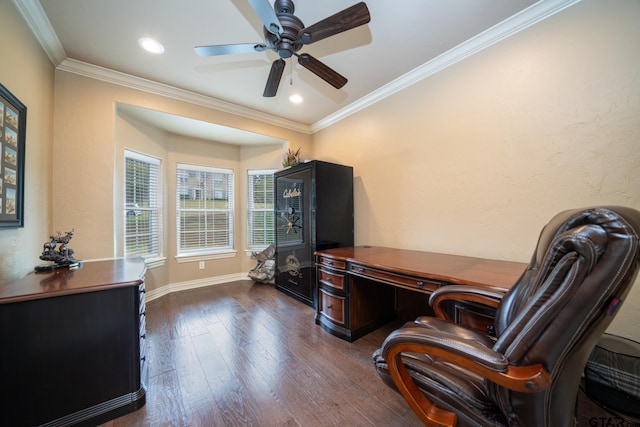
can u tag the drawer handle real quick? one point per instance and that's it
(328, 278)
(329, 262)
(420, 284)
(360, 269)
(330, 307)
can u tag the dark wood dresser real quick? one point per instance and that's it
(73, 349)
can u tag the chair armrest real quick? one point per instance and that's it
(489, 297)
(526, 378)
(470, 354)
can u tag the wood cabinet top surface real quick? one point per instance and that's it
(455, 269)
(90, 276)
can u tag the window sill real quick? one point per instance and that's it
(205, 256)
(155, 262)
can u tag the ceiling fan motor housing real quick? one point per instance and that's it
(288, 43)
(284, 6)
(285, 34)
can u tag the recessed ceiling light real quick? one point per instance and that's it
(296, 98)
(151, 45)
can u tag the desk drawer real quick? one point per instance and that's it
(335, 281)
(330, 262)
(473, 316)
(394, 279)
(332, 307)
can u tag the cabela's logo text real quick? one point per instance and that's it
(291, 192)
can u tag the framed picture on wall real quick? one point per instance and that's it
(13, 124)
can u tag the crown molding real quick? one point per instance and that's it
(37, 20)
(507, 28)
(138, 83)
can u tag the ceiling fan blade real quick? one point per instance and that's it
(277, 68)
(267, 15)
(227, 49)
(349, 18)
(321, 70)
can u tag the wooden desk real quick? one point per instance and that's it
(73, 345)
(354, 296)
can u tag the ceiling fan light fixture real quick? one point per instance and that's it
(151, 45)
(296, 98)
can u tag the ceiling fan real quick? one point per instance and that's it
(285, 34)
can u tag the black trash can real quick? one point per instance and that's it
(612, 375)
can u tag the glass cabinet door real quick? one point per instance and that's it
(290, 215)
(293, 234)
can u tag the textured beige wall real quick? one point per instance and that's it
(85, 146)
(172, 149)
(476, 159)
(27, 72)
(89, 139)
(269, 157)
(473, 160)
(133, 135)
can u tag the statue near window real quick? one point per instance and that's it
(265, 270)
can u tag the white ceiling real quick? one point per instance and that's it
(406, 40)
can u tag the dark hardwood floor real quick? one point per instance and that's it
(245, 354)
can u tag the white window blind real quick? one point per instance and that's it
(205, 209)
(260, 205)
(142, 213)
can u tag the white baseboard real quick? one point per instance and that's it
(194, 284)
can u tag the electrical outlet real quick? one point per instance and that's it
(201, 265)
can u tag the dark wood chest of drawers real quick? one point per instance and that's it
(73, 345)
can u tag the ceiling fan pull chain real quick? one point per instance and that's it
(291, 71)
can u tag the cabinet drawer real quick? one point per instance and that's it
(141, 295)
(332, 307)
(143, 348)
(143, 307)
(395, 279)
(143, 327)
(330, 262)
(333, 280)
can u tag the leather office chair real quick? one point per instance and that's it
(546, 325)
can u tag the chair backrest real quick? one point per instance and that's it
(582, 269)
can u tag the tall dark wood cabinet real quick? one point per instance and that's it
(73, 345)
(314, 211)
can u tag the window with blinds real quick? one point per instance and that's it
(205, 209)
(260, 206)
(142, 205)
